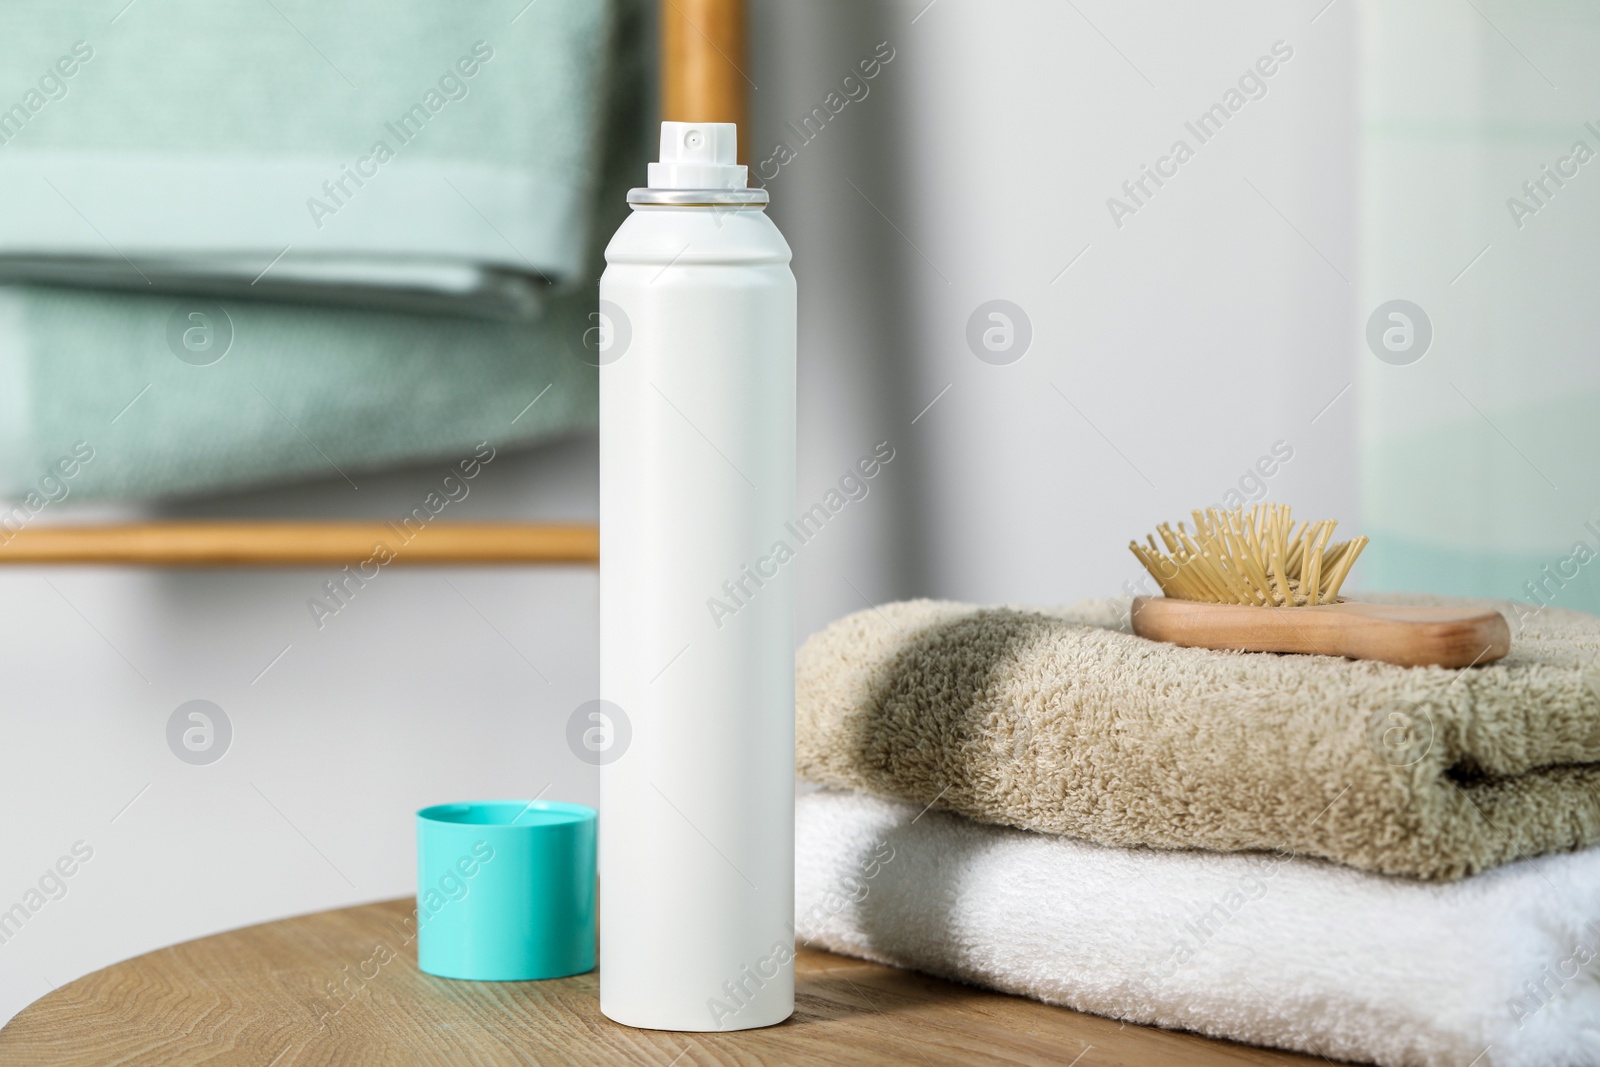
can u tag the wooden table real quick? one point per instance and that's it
(261, 996)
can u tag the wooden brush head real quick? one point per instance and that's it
(1251, 556)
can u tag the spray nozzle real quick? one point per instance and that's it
(698, 155)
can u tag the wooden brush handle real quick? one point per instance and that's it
(1412, 635)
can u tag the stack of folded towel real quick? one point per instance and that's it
(1358, 860)
(246, 243)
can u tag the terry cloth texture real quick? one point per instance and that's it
(378, 151)
(182, 395)
(1061, 720)
(1500, 970)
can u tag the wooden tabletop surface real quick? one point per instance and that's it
(261, 996)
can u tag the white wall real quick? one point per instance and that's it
(1164, 364)
(1186, 343)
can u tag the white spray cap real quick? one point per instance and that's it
(698, 155)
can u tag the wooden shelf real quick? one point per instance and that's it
(301, 544)
(702, 64)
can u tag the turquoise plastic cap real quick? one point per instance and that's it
(506, 890)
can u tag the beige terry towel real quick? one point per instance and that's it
(1060, 720)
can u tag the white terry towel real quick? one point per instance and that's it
(1499, 969)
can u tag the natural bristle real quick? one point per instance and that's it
(1250, 556)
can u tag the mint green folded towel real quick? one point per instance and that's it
(177, 394)
(302, 392)
(443, 155)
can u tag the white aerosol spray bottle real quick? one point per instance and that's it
(697, 462)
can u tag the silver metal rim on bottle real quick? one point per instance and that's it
(699, 197)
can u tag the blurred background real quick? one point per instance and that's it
(1361, 287)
